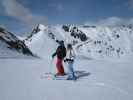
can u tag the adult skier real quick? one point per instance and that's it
(60, 53)
(70, 56)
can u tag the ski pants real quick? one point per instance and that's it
(59, 66)
(70, 69)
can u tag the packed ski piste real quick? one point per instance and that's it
(67, 62)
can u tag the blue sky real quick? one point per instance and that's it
(22, 15)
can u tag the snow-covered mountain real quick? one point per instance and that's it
(89, 41)
(39, 42)
(11, 46)
(98, 79)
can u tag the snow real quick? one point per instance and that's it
(6, 52)
(20, 80)
(40, 44)
(104, 79)
(108, 35)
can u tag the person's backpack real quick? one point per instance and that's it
(61, 52)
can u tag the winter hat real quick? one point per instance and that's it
(61, 42)
(69, 46)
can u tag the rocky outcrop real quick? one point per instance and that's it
(13, 42)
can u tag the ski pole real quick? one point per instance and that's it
(51, 69)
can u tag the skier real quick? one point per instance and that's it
(70, 56)
(60, 53)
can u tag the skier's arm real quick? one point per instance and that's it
(54, 54)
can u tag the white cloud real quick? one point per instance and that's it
(16, 10)
(111, 21)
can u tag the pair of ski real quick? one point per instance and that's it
(51, 76)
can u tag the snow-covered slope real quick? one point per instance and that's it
(40, 43)
(5, 52)
(90, 41)
(102, 80)
(11, 46)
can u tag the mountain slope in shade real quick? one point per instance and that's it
(11, 46)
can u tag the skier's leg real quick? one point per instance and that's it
(71, 71)
(59, 66)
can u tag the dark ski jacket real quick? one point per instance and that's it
(60, 52)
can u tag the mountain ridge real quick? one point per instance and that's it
(94, 41)
(13, 43)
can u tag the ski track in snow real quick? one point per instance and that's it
(99, 83)
(105, 85)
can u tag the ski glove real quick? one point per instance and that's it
(66, 60)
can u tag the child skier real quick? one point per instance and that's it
(70, 56)
(61, 53)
